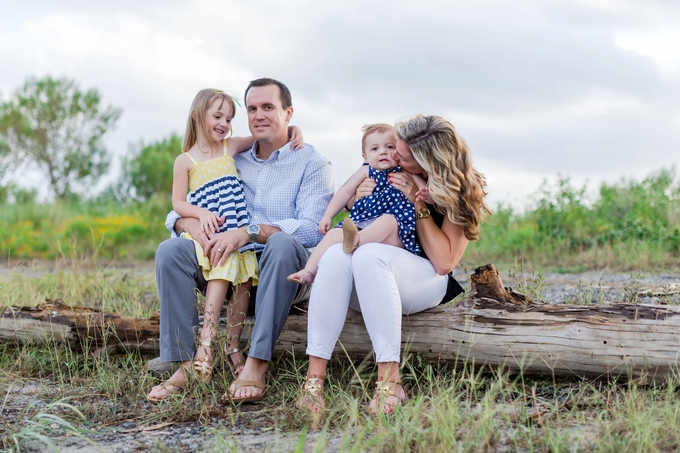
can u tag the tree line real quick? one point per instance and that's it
(51, 126)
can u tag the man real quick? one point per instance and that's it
(286, 192)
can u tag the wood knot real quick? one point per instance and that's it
(486, 282)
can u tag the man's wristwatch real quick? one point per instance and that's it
(423, 213)
(253, 231)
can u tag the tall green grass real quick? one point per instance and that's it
(626, 225)
(82, 230)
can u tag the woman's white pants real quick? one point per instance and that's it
(381, 281)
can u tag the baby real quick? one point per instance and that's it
(386, 216)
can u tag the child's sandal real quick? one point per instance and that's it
(233, 366)
(349, 233)
(311, 394)
(203, 365)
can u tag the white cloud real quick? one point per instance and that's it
(585, 88)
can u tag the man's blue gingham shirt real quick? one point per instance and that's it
(290, 190)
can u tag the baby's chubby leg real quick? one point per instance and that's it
(383, 230)
(334, 236)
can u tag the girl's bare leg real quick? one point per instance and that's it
(236, 316)
(214, 301)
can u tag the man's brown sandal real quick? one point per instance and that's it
(385, 390)
(349, 233)
(239, 383)
(311, 394)
(167, 386)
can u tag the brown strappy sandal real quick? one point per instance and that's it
(168, 387)
(238, 384)
(311, 394)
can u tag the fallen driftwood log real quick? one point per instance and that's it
(493, 326)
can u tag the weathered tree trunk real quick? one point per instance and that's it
(494, 326)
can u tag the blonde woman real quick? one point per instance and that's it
(385, 282)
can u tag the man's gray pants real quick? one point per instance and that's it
(178, 276)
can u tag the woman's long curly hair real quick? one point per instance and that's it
(454, 185)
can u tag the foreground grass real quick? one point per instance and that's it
(448, 409)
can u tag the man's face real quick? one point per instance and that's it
(267, 119)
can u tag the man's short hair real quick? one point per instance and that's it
(286, 99)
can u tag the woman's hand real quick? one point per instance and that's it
(365, 188)
(404, 182)
(296, 139)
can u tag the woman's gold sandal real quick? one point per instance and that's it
(311, 394)
(203, 365)
(384, 390)
(233, 366)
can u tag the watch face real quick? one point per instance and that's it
(251, 229)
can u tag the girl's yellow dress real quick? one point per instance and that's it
(214, 185)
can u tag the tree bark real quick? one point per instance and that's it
(493, 326)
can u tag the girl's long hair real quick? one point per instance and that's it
(200, 105)
(454, 185)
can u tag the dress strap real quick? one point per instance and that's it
(191, 158)
(224, 146)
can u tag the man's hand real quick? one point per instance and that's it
(193, 227)
(221, 245)
(325, 225)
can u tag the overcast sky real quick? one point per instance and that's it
(584, 88)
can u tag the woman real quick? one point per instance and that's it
(384, 281)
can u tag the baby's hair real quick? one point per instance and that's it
(201, 104)
(381, 128)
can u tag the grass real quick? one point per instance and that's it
(448, 409)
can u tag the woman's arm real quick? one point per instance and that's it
(444, 247)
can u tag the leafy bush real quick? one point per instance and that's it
(628, 219)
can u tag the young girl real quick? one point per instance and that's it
(385, 216)
(206, 167)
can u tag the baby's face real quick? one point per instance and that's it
(379, 149)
